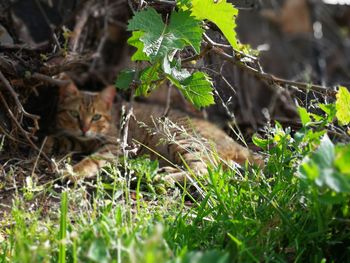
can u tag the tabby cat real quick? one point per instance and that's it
(91, 123)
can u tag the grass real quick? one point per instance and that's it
(279, 214)
(63, 229)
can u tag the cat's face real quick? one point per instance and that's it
(84, 114)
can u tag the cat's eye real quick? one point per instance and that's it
(96, 117)
(74, 114)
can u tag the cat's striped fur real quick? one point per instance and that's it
(89, 122)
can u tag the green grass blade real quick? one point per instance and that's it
(63, 228)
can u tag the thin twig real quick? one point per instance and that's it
(216, 48)
(48, 79)
(164, 2)
(168, 101)
(98, 54)
(131, 6)
(7, 134)
(203, 52)
(47, 21)
(37, 158)
(81, 21)
(52, 70)
(213, 43)
(15, 47)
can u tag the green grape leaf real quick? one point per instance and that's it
(148, 79)
(197, 89)
(187, 28)
(221, 14)
(135, 41)
(124, 79)
(343, 106)
(183, 4)
(161, 40)
(175, 70)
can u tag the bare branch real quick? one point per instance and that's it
(24, 47)
(271, 78)
(203, 52)
(48, 79)
(69, 65)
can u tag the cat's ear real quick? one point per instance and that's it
(69, 89)
(108, 95)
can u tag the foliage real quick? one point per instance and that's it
(221, 14)
(294, 209)
(340, 110)
(160, 40)
(320, 167)
(125, 78)
(162, 44)
(343, 106)
(195, 88)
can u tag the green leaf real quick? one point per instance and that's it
(319, 167)
(311, 136)
(260, 142)
(187, 28)
(135, 41)
(343, 106)
(330, 110)
(147, 19)
(304, 116)
(148, 77)
(342, 159)
(208, 256)
(221, 14)
(184, 4)
(196, 88)
(98, 251)
(324, 155)
(124, 79)
(162, 40)
(247, 49)
(175, 70)
(63, 227)
(316, 117)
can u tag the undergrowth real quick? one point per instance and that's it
(295, 209)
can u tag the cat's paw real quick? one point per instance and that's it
(170, 175)
(74, 173)
(68, 175)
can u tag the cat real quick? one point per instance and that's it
(91, 123)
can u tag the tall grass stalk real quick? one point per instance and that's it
(63, 228)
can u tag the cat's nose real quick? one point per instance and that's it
(84, 129)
